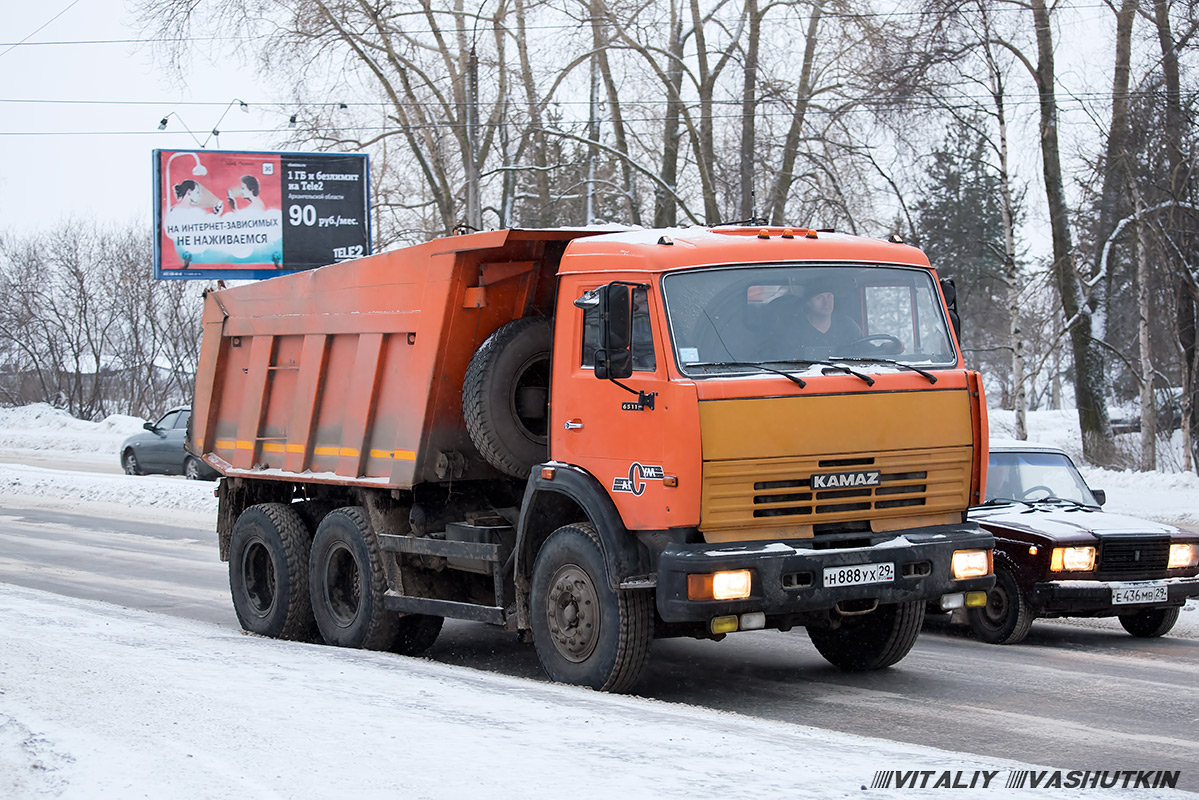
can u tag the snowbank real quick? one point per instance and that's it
(43, 429)
(118, 703)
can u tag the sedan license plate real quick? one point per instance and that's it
(859, 574)
(1129, 593)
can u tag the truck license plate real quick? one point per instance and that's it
(859, 574)
(1139, 593)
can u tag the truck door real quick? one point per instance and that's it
(618, 430)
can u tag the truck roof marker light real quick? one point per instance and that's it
(665, 240)
(763, 234)
(811, 234)
(547, 473)
(788, 233)
(895, 238)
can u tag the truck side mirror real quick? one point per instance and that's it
(951, 302)
(614, 358)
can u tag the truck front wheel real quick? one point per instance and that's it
(347, 582)
(585, 632)
(268, 572)
(871, 641)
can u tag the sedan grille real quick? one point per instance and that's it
(1140, 557)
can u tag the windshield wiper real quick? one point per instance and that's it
(800, 361)
(890, 362)
(798, 381)
(1055, 500)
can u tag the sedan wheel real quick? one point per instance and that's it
(191, 469)
(129, 463)
(1006, 617)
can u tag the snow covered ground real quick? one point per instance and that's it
(102, 701)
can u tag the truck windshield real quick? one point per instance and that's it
(728, 319)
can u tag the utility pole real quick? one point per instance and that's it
(474, 209)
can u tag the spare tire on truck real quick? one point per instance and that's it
(505, 396)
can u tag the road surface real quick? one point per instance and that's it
(1070, 697)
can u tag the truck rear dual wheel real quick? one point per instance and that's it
(1006, 618)
(585, 632)
(871, 641)
(348, 584)
(1150, 623)
(505, 394)
(268, 572)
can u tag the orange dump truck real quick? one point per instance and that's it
(595, 439)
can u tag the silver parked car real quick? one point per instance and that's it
(159, 450)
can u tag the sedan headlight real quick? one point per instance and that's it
(1072, 559)
(1183, 555)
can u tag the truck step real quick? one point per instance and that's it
(443, 608)
(424, 546)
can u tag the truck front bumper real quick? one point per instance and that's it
(789, 577)
(1095, 597)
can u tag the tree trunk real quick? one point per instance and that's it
(541, 175)
(803, 97)
(1011, 270)
(749, 104)
(1186, 299)
(1115, 162)
(1089, 374)
(1148, 407)
(666, 209)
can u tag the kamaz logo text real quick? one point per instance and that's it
(638, 475)
(846, 480)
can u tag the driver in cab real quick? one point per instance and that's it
(820, 324)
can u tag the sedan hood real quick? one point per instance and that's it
(1065, 521)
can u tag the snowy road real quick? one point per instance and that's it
(1078, 697)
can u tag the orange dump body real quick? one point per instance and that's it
(352, 374)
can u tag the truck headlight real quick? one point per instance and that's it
(1072, 559)
(1183, 555)
(971, 563)
(729, 585)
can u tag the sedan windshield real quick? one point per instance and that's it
(735, 319)
(1035, 477)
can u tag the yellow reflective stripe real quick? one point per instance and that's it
(399, 455)
(335, 451)
(277, 447)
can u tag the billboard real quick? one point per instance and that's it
(220, 214)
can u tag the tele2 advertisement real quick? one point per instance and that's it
(252, 215)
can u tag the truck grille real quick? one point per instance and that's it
(1140, 557)
(772, 492)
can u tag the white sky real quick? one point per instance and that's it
(92, 160)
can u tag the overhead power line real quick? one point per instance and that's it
(578, 25)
